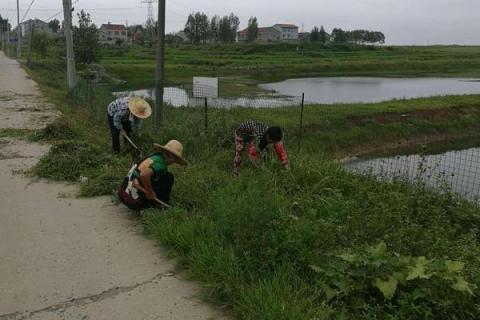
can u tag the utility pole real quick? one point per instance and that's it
(159, 83)
(8, 39)
(2, 35)
(67, 29)
(19, 32)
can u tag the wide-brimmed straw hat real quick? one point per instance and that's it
(173, 147)
(139, 107)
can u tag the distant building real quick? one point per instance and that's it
(182, 35)
(37, 24)
(289, 32)
(110, 34)
(278, 32)
(304, 36)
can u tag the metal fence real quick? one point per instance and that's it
(365, 139)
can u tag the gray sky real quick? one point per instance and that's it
(402, 21)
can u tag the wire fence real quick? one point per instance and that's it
(390, 143)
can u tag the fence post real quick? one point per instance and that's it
(206, 115)
(300, 136)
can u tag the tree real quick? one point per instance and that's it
(85, 39)
(315, 34)
(323, 36)
(54, 25)
(224, 30)
(197, 28)
(252, 30)
(203, 24)
(40, 44)
(234, 21)
(339, 36)
(228, 28)
(214, 29)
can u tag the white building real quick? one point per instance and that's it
(289, 32)
(37, 24)
(111, 34)
(278, 32)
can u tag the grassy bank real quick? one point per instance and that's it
(243, 66)
(315, 242)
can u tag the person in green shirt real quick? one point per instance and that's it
(148, 182)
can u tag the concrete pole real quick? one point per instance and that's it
(67, 29)
(160, 74)
(19, 33)
(30, 46)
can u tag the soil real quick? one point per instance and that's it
(431, 114)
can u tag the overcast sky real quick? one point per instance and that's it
(402, 21)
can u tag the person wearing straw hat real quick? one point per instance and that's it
(149, 183)
(125, 113)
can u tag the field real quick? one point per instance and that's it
(243, 66)
(315, 242)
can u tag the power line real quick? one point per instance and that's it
(26, 12)
(59, 12)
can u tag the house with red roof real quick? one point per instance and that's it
(278, 32)
(110, 34)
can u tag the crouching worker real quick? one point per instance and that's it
(149, 183)
(123, 114)
(257, 136)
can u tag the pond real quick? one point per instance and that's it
(368, 89)
(459, 170)
(179, 97)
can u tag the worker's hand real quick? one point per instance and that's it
(123, 133)
(150, 195)
(287, 167)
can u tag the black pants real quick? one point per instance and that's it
(116, 133)
(162, 188)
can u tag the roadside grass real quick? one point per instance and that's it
(315, 242)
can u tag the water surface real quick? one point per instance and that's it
(369, 89)
(457, 170)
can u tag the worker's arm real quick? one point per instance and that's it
(281, 153)
(117, 121)
(146, 178)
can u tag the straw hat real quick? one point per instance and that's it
(173, 147)
(139, 107)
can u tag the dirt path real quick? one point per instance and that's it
(67, 258)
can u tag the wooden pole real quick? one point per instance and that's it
(301, 122)
(206, 115)
(67, 17)
(160, 72)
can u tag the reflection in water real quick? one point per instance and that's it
(368, 89)
(178, 97)
(457, 170)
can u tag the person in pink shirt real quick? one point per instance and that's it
(257, 136)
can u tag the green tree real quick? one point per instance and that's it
(315, 34)
(339, 36)
(54, 25)
(323, 36)
(40, 43)
(85, 39)
(214, 28)
(228, 28)
(252, 30)
(197, 28)
(234, 21)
